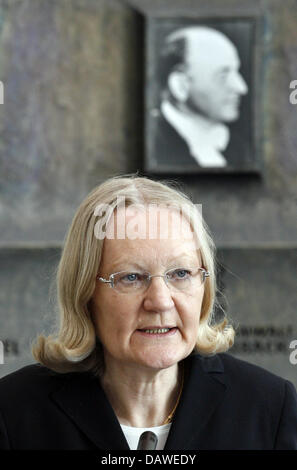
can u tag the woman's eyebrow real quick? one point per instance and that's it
(183, 257)
(124, 265)
(127, 264)
(180, 259)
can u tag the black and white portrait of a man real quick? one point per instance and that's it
(194, 109)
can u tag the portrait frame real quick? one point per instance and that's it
(168, 154)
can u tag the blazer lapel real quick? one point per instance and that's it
(82, 398)
(204, 389)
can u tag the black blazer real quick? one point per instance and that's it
(226, 404)
(172, 154)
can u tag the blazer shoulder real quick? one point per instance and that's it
(30, 380)
(252, 383)
(255, 380)
(240, 373)
(246, 370)
(32, 371)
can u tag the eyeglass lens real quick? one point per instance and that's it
(176, 279)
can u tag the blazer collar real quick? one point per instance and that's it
(204, 390)
(82, 398)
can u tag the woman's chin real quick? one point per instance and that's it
(159, 361)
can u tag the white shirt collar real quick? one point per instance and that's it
(205, 141)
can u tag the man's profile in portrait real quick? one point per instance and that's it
(201, 90)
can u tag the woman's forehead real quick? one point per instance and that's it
(149, 222)
(118, 254)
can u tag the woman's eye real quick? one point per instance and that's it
(131, 277)
(181, 274)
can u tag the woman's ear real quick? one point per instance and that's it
(178, 85)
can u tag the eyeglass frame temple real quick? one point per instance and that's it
(110, 281)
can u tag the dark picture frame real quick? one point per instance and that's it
(166, 150)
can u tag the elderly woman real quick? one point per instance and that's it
(138, 348)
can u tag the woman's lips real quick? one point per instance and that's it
(171, 332)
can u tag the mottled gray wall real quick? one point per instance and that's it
(70, 114)
(27, 301)
(73, 116)
(260, 296)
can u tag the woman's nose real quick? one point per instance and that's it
(158, 296)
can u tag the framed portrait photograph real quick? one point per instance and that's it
(200, 96)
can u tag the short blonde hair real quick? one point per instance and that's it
(75, 347)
